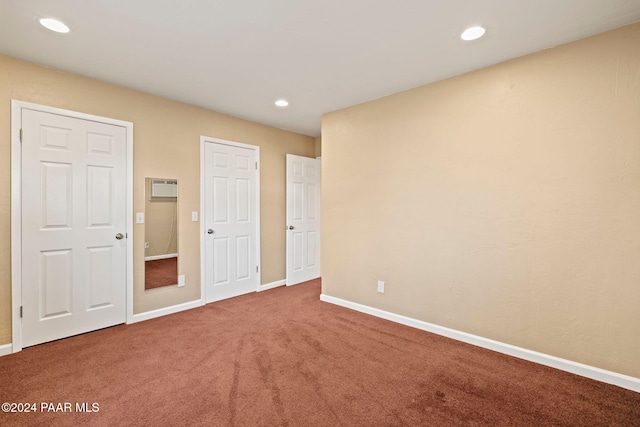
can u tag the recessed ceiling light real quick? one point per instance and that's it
(282, 103)
(54, 25)
(472, 33)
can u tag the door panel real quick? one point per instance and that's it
(243, 257)
(312, 244)
(100, 277)
(73, 205)
(231, 216)
(221, 197)
(221, 260)
(99, 209)
(56, 192)
(297, 251)
(303, 219)
(56, 283)
(242, 200)
(312, 201)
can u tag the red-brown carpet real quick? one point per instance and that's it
(160, 272)
(283, 358)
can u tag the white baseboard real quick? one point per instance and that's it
(594, 373)
(6, 349)
(272, 285)
(163, 256)
(164, 311)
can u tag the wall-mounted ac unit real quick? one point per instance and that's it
(167, 188)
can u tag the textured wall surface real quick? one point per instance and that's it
(503, 203)
(166, 144)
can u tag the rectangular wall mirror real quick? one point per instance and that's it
(161, 233)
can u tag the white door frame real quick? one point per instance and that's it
(203, 279)
(16, 208)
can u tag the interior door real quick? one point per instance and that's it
(73, 226)
(303, 219)
(230, 221)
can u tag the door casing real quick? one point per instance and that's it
(16, 208)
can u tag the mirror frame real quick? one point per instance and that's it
(159, 193)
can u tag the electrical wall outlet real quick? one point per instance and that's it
(380, 286)
(146, 245)
(181, 280)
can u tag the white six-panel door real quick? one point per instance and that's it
(303, 219)
(73, 226)
(230, 220)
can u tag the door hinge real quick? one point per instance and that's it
(256, 165)
(257, 269)
(20, 134)
(21, 312)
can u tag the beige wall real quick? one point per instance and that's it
(504, 203)
(166, 144)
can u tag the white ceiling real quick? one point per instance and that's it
(238, 56)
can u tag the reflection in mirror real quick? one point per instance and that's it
(161, 233)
